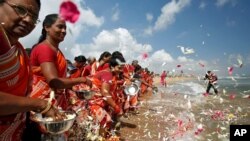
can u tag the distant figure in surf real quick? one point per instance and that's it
(212, 81)
(163, 78)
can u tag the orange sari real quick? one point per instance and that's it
(144, 86)
(131, 101)
(41, 88)
(15, 78)
(98, 106)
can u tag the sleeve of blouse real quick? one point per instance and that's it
(46, 54)
(106, 77)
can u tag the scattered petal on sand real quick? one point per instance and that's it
(246, 96)
(69, 12)
(232, 96)
(221, 100)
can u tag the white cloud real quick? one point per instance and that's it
(221, 3)
(162, 56)
(89, 18)
(148, 31)
(116, 13)
(202, 5)
(168, 13)
(112, 40)
(231, 23)
(149, 17)
(182, 59)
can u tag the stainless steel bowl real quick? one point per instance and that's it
(132, 89)
(85, 94)
(155, 90)
(137, 82)
(55, 127)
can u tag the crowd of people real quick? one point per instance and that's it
(26, 81)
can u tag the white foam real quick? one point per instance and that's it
(187, 88)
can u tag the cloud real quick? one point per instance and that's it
(119, 39)
(183, 59)
(231, 23)
(202, 5)
(168, 13)
(116, 13)
(162, 56)
(221, 3)
(149, 17)
(182, 34)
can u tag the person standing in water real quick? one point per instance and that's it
(163, 78)
(212, 81)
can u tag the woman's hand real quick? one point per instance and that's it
(88, 82)
(118, 110)
(55, 114)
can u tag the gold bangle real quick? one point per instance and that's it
(47, 108)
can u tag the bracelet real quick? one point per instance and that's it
(47, 108)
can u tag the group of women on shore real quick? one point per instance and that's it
(26, 82)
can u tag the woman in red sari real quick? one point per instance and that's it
(18, 19)
(80, 63)
(103, 100)
(102, 62)
(49, 64)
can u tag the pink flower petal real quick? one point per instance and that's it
(230, 70)
(205, 94)
(202, 65)
(144, 56)
(232, 96)
(69, 12)
(178, 66)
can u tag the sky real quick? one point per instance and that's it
(197, 35)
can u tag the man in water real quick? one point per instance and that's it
(212, 81)
(163, 77)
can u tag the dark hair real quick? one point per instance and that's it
(137, 68)
(48, 21)
(116, 60)
(116, 53)
(104, 54)
(37, 1)
(208, 71)
(80, 58)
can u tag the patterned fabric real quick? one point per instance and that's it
(15, 79)
(41, 88)
(98, 106)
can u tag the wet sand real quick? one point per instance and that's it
(171, 116)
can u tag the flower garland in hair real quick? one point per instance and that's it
(69, 11)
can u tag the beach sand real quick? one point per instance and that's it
(172, 116)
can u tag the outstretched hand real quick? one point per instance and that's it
(55, 114)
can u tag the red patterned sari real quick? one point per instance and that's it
(41, 88)
(15, 79)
